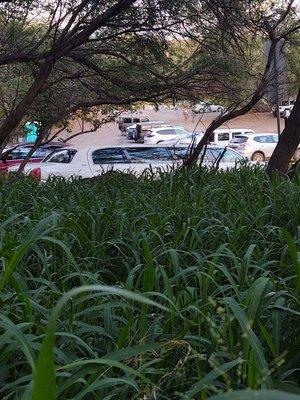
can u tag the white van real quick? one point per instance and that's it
(223, 136)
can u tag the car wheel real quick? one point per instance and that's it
(219, 109)
(208, 109)
(258, 157)
(297, 155)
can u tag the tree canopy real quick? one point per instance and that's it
(59, 56)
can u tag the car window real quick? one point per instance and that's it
(231, 156)
(239, 139)
(135, 120)
(274, 138)
(127, 120)
(223, 136)
(234, 134)
(19, 153)
(61, 156)
(157, 153)
(249, 133)
(263, 139)
(167, 132)
(145, 120)
(108, 156)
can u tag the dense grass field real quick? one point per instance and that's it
(183, 287)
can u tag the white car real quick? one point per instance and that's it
(187, 139)
(258, 147)
(163, 133)
(222, 136)
(203, 107)
(94, 161)
(283, 107)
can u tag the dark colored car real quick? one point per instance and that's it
(15, 155)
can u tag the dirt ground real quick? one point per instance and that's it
(109, 134)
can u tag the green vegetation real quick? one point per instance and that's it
(179, 288)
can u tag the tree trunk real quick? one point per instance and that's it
(288, 142)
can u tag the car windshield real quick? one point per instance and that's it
(239, 139)
(18, 153)
(61, 156)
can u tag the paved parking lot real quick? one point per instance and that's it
(109, 134)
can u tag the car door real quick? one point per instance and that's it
(108, 159)
(265, 144)
(66, 163)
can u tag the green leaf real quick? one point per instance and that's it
(211, 377)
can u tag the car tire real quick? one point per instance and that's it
(208, 109)
(258, 157)
(297, 155)
(219, 109)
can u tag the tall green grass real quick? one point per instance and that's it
(183, 287)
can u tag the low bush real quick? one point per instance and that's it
(183, 287)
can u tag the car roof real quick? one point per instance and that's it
(257, 134)
(220, 130)
(137, 146)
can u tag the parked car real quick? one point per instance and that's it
(127, 120)
(16, 154)
(258, 147)
(186, 139)
(207, 107)
(286, 105)
(158, 135)
(220, 137)
(226, 158)
(93, 161)
(223, 136)
(131, 131)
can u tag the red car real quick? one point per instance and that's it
(15, 155)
